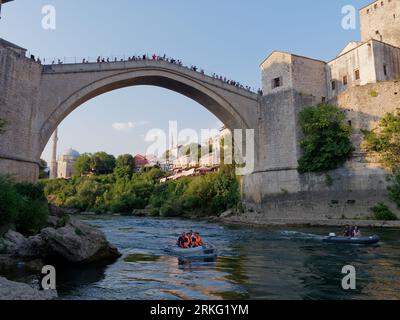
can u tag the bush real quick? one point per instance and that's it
(9, 201)
(326, 144)
(383, 213)
(385, 140)
(32, 216)
(23, 205)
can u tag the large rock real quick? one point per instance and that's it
(33, 247)
(78, 242)
(12, 240)
(10, 290)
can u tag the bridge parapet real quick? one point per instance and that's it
(143, 64)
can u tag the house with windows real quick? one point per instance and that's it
(373, 59)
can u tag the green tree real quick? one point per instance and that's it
(42, 167)
(125, 166)
(327, 139)
(102, 163)
(385, 140)
(82, 165)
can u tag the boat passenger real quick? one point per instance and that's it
(357, 233)
(184, 241)
(347, 231)
(198, 240)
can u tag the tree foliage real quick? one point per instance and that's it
(23, 205)
(382, 213)
(326, 144)
(99, 163)
(125, 166)
(385, 140)
(42, 169)
(211, 194)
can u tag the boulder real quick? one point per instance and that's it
(33, 247)
(12, 240)
(53, 221)
(10, 290)
(227, 214)
(78, 242)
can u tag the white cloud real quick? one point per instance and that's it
(127, 126)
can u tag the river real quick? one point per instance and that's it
(254, 263)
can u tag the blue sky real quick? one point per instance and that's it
(229, 37)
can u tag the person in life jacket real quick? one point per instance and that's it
(184, 241)
(190, 240)
(198, 241)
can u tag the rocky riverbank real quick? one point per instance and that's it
(66, 240)
(10, 290)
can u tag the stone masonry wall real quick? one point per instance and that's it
(381, 21)
(19, 89)
(349, 192)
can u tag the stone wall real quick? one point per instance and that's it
(387, 61)
(381, 21)
(303, 74)
(19, 93)
(309, 77)
(279, 191)
(365, 106)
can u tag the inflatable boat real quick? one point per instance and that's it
(347, 240)
(206, 251)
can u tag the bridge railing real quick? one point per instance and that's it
(48, 62)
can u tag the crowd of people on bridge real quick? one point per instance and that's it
(165, 58)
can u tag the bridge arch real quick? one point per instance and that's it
(65, 89)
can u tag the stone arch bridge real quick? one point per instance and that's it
(34, 99)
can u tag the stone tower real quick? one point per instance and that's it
(53, 164)
(380, 20)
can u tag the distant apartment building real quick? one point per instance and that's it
(375, 58)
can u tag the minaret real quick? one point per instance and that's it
(53, 164)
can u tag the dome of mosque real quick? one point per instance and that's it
(71, 153)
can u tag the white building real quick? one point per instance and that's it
(65, 164)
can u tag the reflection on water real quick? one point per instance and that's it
(253, 264)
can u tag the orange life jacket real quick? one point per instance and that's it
(187, 241)
(199, 241)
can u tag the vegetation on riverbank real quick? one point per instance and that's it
(327, 139)
(124, 192)
(384, 141)
(23, 206)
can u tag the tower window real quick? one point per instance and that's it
(333, 84)
(385, 70)
(276, 83)
(345, 81)
(357, 74)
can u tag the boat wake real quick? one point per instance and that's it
(300, 235)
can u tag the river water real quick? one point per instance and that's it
(254, 263)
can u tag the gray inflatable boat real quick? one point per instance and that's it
(347, 240)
